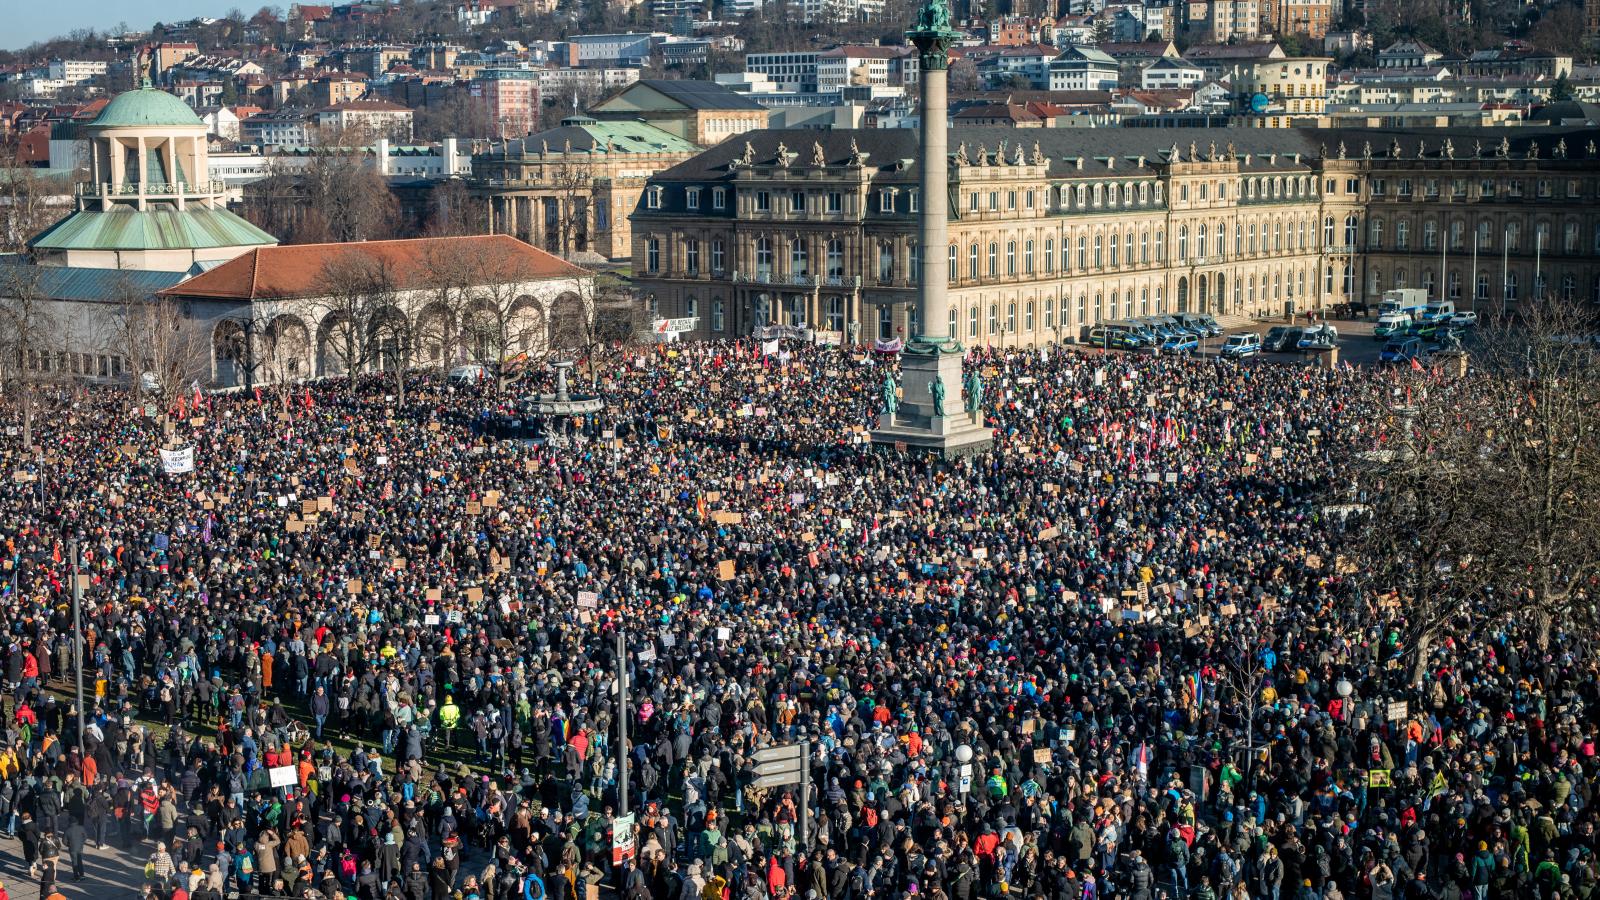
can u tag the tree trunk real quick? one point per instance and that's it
(1544, 621)
(1419, 661)
(27, 419)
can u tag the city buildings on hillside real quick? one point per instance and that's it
(1055, 230)
(365, 120)
(1083, 69)
(1308, 18)
(1278, 92)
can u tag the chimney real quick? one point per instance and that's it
(381, 152)
(449, 155)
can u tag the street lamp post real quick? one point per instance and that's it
(77, 640)
(964, 771)
(622, 722)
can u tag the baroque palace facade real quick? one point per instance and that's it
(1054, 230)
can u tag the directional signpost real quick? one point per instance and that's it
(785, 764)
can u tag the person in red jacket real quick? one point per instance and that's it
(777, 878)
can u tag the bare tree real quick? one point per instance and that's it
(276, 203)
(1538, 430)
(1242, 670)
(334, 197)
(573, 181)
(355, 294)
(500, 323)
(26, 199)
(1421, 531)
(607, 311)
(453, 212)
(29, 342)
(349, 199)
(449, 283)
(167, 351)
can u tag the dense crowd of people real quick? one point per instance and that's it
(367, 649)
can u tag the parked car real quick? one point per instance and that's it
(1202, 324)
(1428, 329)
(1180, 343)
(1391, 324)
(1239, 346)
(1401, 350)
(1318, 337)
(1282, 337)
(1114, 338)
(1464, 319)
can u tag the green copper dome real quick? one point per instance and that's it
(146, 107)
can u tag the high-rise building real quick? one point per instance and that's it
(1311, 18)
(510, 97)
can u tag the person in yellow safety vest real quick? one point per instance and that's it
(449, 717)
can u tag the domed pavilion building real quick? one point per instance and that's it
(149, 204)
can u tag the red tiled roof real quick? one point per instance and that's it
(293, 271)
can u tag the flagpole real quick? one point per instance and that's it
(1538, 248)
(1505, 267)
(1474, 272)
(1444, 261)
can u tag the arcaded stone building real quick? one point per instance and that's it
(1053, 230)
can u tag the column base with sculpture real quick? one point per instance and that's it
(933, 409)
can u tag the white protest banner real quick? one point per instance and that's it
(177, 462)
(284, 776)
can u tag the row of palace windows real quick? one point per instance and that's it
(1488, 188)
(1113, 195)
(1115, 250)
(1510, 235)
(1019, 258)
(1100, 195)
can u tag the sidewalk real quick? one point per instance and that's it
(108, 874)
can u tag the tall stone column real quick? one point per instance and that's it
(933, 296)
(935, 408)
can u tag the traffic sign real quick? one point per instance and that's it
(785, 764)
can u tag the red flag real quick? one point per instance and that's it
(197, 399)
(308, 398)
(258, 396)
(1415, 366)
